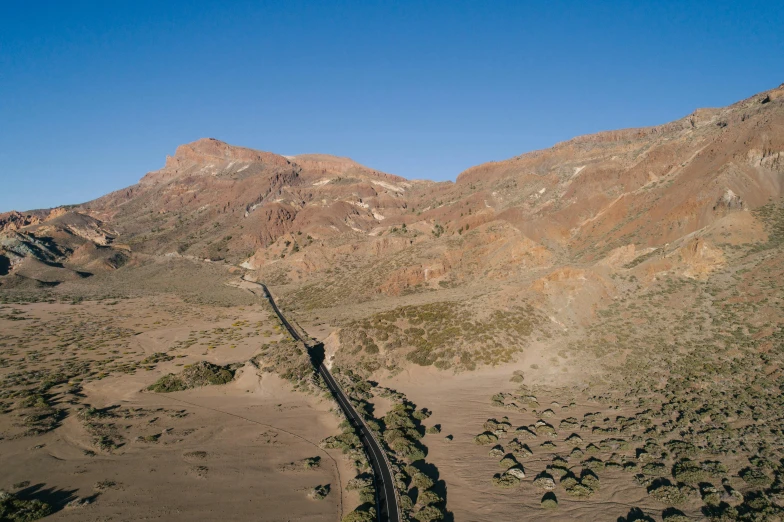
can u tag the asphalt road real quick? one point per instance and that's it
(387, 506)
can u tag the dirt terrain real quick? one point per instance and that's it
(99, 446)
(587, 332)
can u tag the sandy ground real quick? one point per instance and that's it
(461, 404)
(227, 452)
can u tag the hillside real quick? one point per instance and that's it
(329, 231)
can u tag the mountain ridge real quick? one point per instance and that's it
(296, 219)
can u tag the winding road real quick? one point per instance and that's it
(387, 505)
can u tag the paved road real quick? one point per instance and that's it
(386, 500)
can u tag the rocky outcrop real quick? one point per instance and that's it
(400, 280)
(729, 201)
(700, 258)
(16, 246)
(66, 245)
(16, 220)
(209, 156)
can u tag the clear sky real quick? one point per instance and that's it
(94, 94)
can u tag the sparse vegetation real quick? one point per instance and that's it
(549, 501)
(14, 509)
(202, 373)
(444, 334)
(320, 492)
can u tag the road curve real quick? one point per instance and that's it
(387, 505)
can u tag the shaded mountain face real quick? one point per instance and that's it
(45, 248)
(553, 222)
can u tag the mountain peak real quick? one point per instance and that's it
(206, 150)
(209, 155)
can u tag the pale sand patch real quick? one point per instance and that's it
(388, 186)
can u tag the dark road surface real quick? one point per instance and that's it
(387, 505)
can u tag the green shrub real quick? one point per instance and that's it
(421, 414)
(361, 515)
(202, 373)
(429, 513)
(485, 438)
(579, 491)
(668, 494)
(429, 497)
(714, 468)
(13, 509)
(157, 357)
(546, 430)
(311, 462)
(592, 449)
(569, 481)
(674, 515)
(359, 482)
(320, 492)
(590, 481)
(367, 495)
(593, 464)
(544, 481)
(688, 472)
(505, 480)
(524, 433)
(755, 477)
(725, 513)
(167, 383)
(421, 481)
(654, 469)
(681, 449)
(518, 449)
(507, 462)
(549, 501)
(710, 495)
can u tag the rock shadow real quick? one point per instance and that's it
(636, 515)
(58, 498)
(317, 354)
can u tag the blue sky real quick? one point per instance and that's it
(94, 94)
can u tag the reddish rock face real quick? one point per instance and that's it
(613, 195)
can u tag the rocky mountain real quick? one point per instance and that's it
(215, 201)
(45, 248)
(329, 231)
